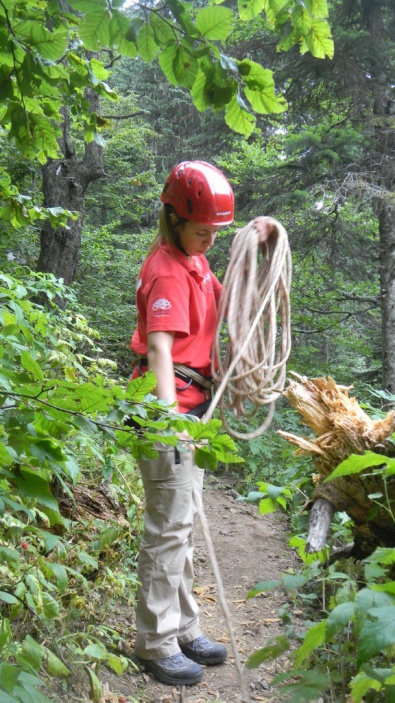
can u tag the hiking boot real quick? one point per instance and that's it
(174, 670)
(204, 651)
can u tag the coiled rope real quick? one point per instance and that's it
(256, 304)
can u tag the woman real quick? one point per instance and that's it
(177, 297)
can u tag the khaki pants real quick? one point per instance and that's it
(167, 613)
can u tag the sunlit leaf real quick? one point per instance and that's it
(239, 119)
(248, 9)
(215, 23)
(146, 43)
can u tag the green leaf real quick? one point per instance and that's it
(46, 135)
(319, 41)
(309, 686)
(198, 94)
(293, 581)
(146, 43)
(94, 29)
(44, 449)
(140, 387)
(32, 652)
(361, 684)
(31, 366)
(9, 556)
(107, 537)
(185, 66)
(264, 586)
(338, 619)
(215, 23)
(238, 119)
(259, 88)
(98, 70)
(50, 606)
(356, 463)
(96, 690)
(382, 555)
(5, 633)
(50, 45)
(314, 638)
(118, 29)
(30, 485)
(7, 597)
(271, 651)
(377, 633)
(166, 59)
(60, 573)
(96, 651)
(248, 9)
(86, 558)
(55, 666)
(117, 663)
(7, 454)
(267, 505)
(164, 34)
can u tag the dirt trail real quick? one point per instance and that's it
(249, 548)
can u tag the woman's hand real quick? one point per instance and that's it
(265, 227)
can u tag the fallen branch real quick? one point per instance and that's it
(342, 428)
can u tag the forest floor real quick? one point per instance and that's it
(249, 548)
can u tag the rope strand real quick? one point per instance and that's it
(255, 297)
(253, 370)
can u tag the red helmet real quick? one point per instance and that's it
(200, 192)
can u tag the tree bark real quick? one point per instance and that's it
(64, 184)
(383, 167)
(320, 520)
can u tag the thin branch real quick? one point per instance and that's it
(123, 117)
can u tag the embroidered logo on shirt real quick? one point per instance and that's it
(161, 304)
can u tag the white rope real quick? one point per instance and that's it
(255, 303)
(255, 297)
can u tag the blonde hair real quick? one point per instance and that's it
(169, 224)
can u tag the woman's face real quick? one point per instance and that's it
(196, 238)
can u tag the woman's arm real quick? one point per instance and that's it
(160, 361)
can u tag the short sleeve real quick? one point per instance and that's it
(167, 305)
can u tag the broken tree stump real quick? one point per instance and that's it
(343, 428)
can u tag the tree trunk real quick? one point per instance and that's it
(65, 182)
(383, 166)
(387, 280)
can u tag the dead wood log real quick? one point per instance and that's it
(343, 428)
(320, 519)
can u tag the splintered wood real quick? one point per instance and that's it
(343, 428)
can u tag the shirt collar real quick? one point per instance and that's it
(193, 264)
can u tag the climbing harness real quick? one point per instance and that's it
(255, 302)
(187, 374)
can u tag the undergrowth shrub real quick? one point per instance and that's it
(342, 647)
(70, 496)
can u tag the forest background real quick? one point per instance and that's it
(97, 105)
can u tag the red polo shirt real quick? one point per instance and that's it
(179, 294)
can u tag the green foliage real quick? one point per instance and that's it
(348, 646)
(61, 417)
